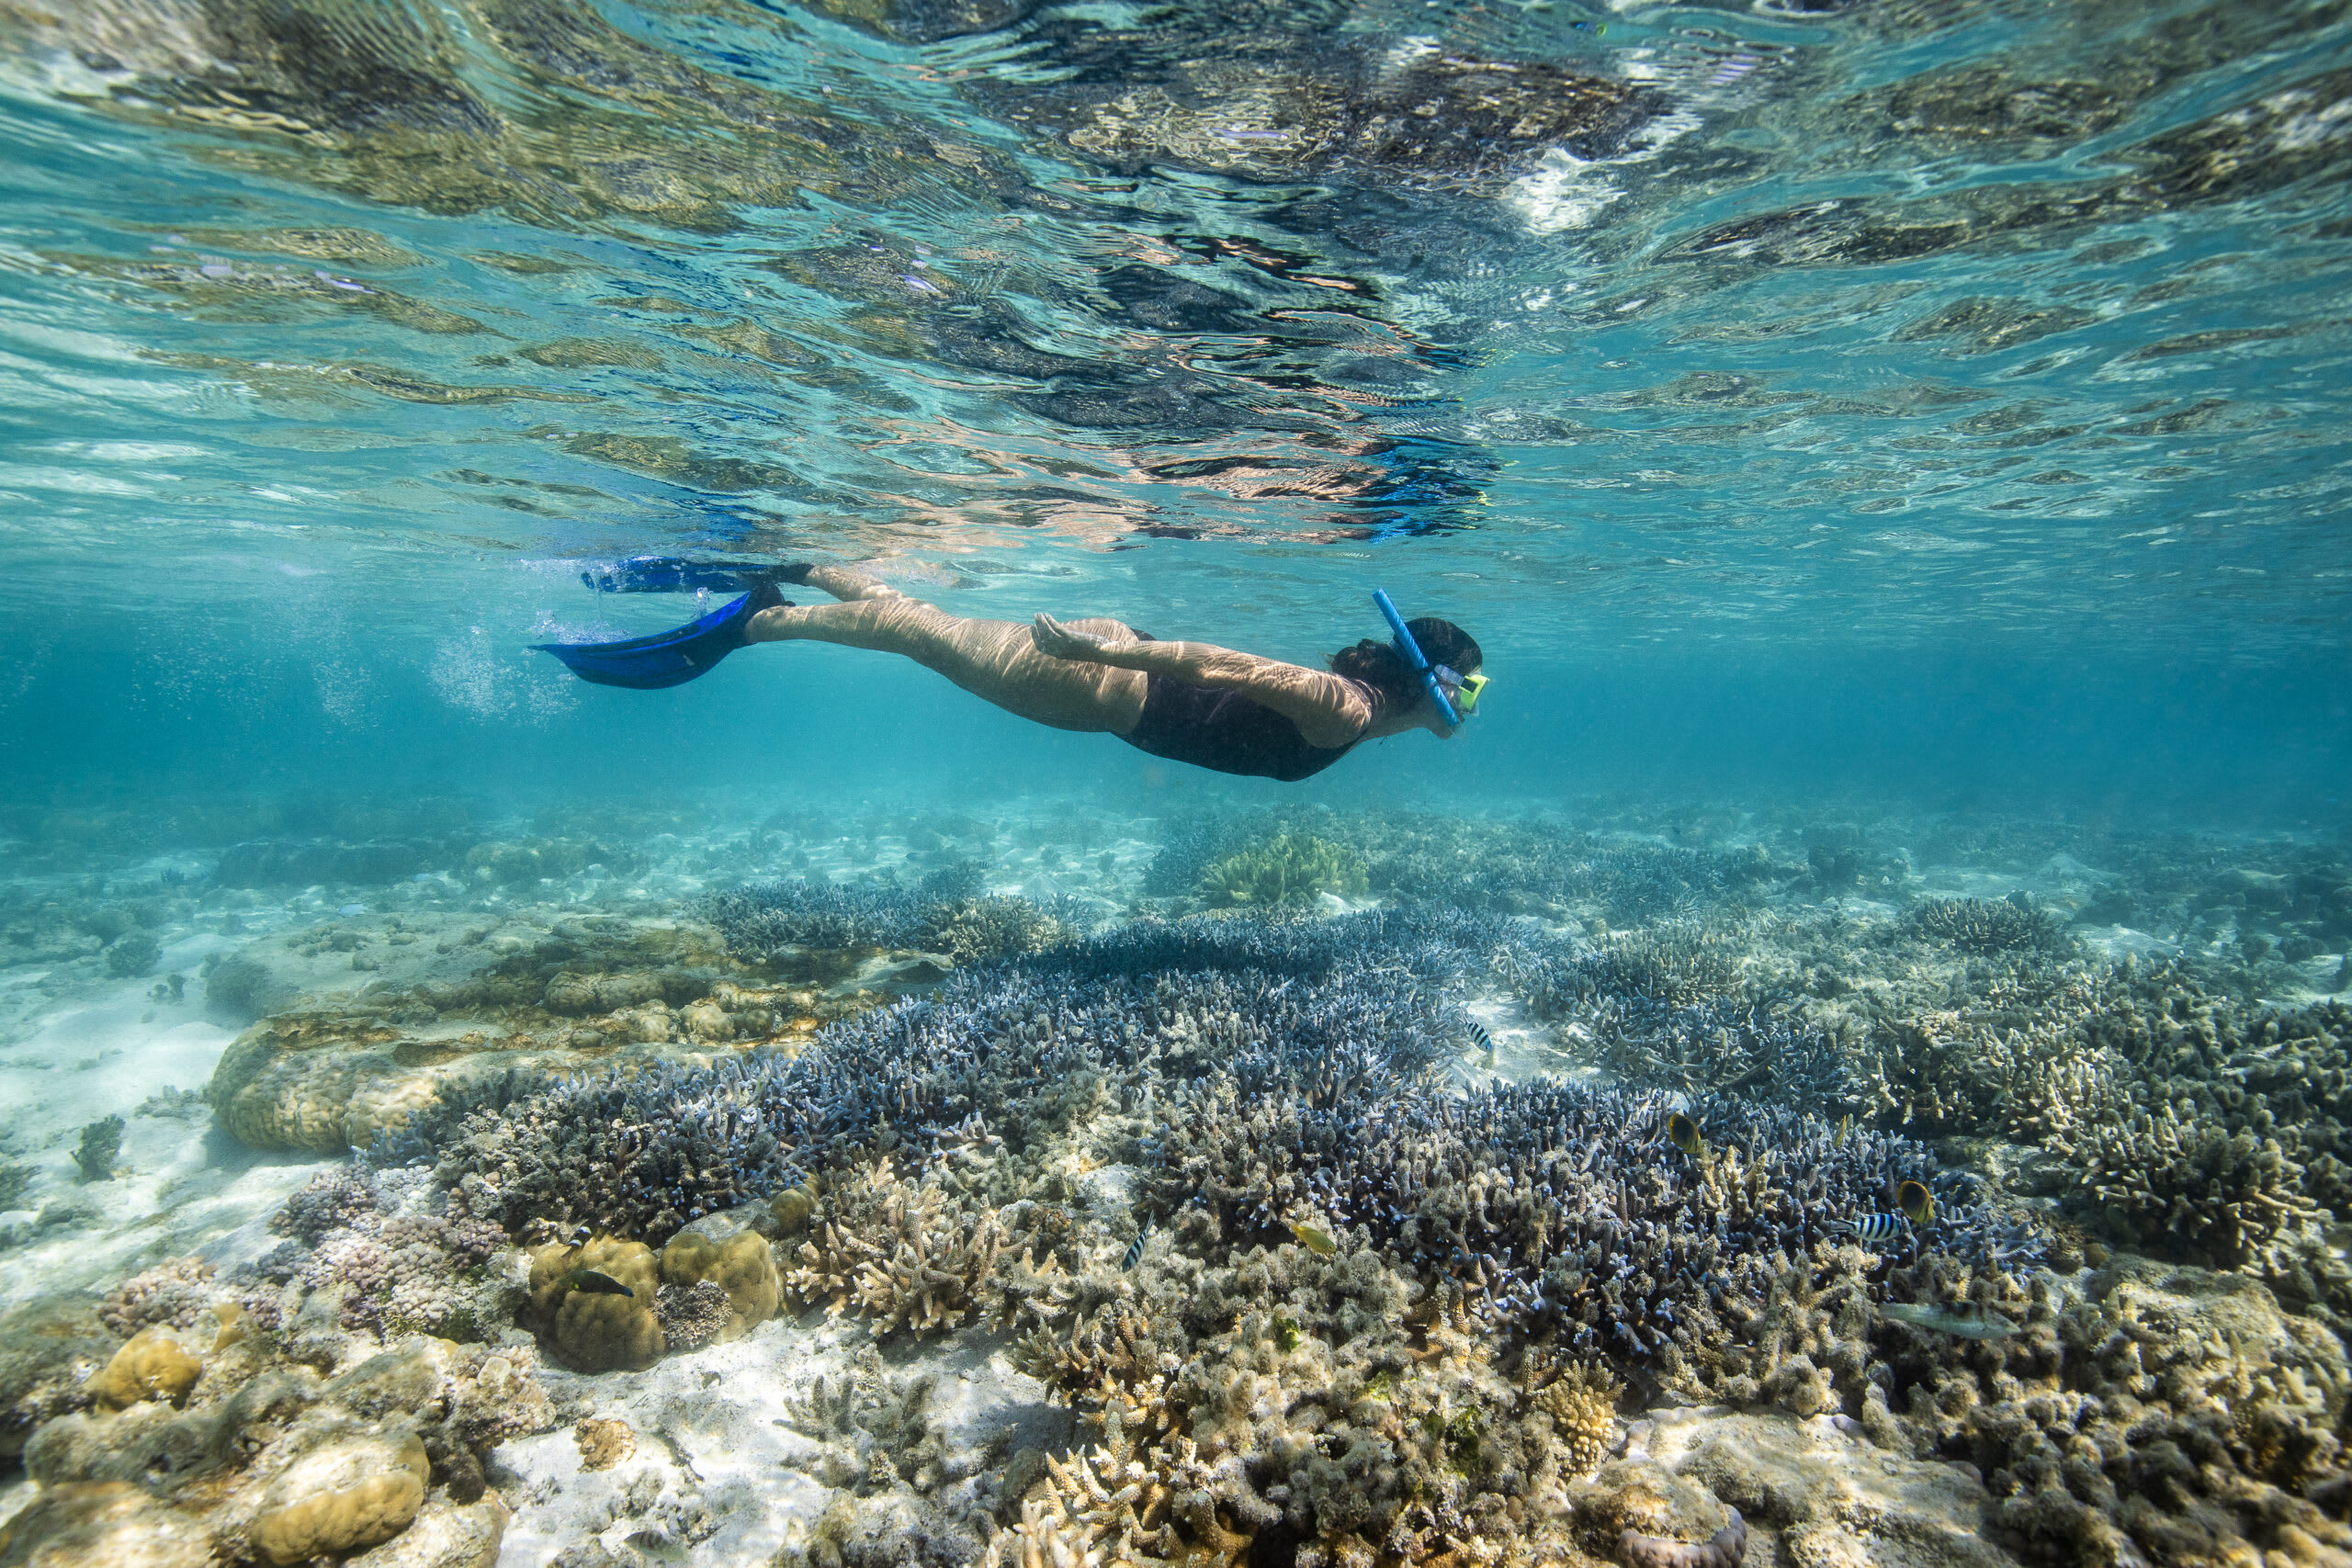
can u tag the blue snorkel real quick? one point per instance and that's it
(1413, 656)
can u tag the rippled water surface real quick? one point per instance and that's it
(1897, 326)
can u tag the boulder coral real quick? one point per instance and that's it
(591, 1330)
(743, 1265)
(352, 1490)
(152, 1365)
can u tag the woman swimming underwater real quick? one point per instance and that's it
(1189, 702)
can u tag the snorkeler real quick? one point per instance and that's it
(1189, 702)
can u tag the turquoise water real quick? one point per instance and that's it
(1866, 1004)
(1942, 398)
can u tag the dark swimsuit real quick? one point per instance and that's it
(1225, 731)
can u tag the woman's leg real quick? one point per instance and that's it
(994, 660)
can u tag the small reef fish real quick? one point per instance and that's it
(589, 1281)
(1316, 1241)
(1967, 1321)
(1134, 1248)
(349, 910)
(1917, 1206)
(1684, 1135)
(1482, 1040)
(580, 1234)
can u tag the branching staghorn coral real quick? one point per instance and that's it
(1111, 1368)
(1986, 926)
(2223, 1196)
(1364, 999)
(902, 1255)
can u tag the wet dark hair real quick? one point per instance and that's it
(1379, 665)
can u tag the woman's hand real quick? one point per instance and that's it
(1058, 641)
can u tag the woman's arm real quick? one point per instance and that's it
(1329, 711)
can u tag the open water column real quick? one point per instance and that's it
(1048, 783)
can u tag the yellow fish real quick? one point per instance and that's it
(1316, 1241)
(1683, 1133)
(1918, 1205)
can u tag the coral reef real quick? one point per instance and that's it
(373, 1241)
(173, 1294)
(602, 1443)
(1727, 1548)
(647, 1153)
(1506, 865)
(132, 954)
(2192, 1124)
(151, 1365)
(907, 1255)
(1985, 926)
(49, 1350)
(2169, 1410)
(104, 1521)
(352, 1490)
(1548, 1202)
(693, 1315)
(972, 931)
(1314, 1286)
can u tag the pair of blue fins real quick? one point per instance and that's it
(674, 657)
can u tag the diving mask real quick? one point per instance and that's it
(1465, 689)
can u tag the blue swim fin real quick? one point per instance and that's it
(671, 658)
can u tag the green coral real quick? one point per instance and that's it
(1288, 869)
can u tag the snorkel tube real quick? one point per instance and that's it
(1413, 656)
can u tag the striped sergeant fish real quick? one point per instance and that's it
(1917, 1206)
(1134, 1248)
(1482, 1040)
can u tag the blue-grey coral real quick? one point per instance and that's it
(1333, 1006)
(1547, 1203)
(764, 917)
(1986, 925)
